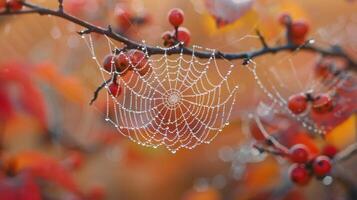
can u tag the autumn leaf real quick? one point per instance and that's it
(67, 86)
(261, 14)
(262, 175)
(205, 194)
(14, 76)
(22, 187)
(344, 133)
(6, 108)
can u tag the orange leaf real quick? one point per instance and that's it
(263, 174)
(68, 86)
(71, 89)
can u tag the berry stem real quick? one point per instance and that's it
(288, 31)
(176, 34)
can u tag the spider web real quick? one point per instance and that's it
(176, 104)
(274, 84)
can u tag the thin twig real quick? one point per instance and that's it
(346, 153)
(96, 92)
(270, 139)
(270, 151)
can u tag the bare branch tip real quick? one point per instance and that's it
(261, 38)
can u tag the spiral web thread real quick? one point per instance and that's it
(175, 104)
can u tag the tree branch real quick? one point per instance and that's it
(130, 44)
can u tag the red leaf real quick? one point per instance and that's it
(6, 108)
(45, 167)
(20, 187)
(30, 97)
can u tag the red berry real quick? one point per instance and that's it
(322, 166)
(284, 18)
(139, 61)
(15, 5)
(299, 29)
(299, 153)
(115, 89)
(176, 17)
(297, 103)
(298, 40)
(123, 18)
(330, 151)
(122, 63)
(299, 174)
(322, 103)
(136, 57)
(167, 35)
(109, 63)
(322, 69)
(183, 35)
(169, 38)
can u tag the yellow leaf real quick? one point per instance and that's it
(344, 134)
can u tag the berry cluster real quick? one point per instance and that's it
(320, 103)
(297, 29)
(179, 34)
(13, 5)
(122, 63)
(304, 166)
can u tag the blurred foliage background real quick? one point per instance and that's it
(49, 78)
